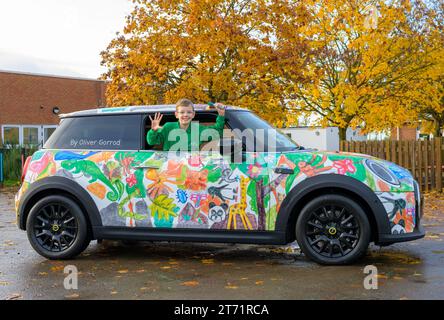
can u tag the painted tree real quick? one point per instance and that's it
(362, 57)
(219, 50)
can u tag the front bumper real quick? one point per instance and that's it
(418, 232)
(388, 239)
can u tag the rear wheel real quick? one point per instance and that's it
(333, 230)
(57, 228)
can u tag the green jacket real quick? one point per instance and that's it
(171, 134)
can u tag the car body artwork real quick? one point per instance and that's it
(144, 194)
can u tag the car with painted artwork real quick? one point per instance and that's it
(97, 178)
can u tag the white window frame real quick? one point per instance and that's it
(39, 132)
(47, 126)
(40, 128)
(11, 126)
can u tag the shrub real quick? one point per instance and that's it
(12, 161)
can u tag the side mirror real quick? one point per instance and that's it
(233, 148)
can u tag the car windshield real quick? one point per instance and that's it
(258, 135)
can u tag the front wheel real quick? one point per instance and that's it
(57, 228)
(333, 230)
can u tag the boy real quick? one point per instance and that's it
(184, 130)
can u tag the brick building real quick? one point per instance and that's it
(404, 133)
(30, 104)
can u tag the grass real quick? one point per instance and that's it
(11, 183)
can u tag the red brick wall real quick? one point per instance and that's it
(405, 133)
(29, 99)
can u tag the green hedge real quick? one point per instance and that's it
(12, 162)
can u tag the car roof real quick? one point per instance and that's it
(141, 109)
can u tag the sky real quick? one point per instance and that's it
(58, 37)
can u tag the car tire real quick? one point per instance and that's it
(333, 230)
(57, 228)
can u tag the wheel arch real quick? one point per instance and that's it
(60, 186)
(313, 187)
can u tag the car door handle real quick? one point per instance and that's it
(281, 170)
(146, 167)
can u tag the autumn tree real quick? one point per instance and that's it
(426, 95)
(206, 50)
(362, 57)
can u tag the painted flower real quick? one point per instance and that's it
(254, 170)
(344, 166)
(131, 180)
(196, 180)
(159, 182)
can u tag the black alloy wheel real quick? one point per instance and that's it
(57, 228)
(333, 229)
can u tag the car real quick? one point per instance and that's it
(97, 178)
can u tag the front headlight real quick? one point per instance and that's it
(382, 172)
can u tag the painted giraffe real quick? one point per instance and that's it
(239, 208)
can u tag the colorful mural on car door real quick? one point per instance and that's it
(162, 190)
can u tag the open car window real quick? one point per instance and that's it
(206, 119)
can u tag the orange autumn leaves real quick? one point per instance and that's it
(205, 50)
(349, 63)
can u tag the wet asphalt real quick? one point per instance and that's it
(200, 271)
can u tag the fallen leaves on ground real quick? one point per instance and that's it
(190, 283)
(207, 261)
(231, 286)
(122, 271)
(57, 268)
(14, 296)
(72, 296)
(9, 243)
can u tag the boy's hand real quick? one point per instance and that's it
(155, 123)
(220, 109)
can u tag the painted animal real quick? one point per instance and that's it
(217, 213)
(217, 192)
(91, 169)
(238, 209)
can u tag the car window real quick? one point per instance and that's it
(258, 135)
(116, 132)
(206, 119)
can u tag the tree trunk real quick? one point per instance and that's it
(342, 134)
(437, 127)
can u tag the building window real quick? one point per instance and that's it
(31, 136)
(11, 135)
(25, 135)
(47, 132)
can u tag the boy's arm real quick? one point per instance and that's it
(218, 126)
(155, 137)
